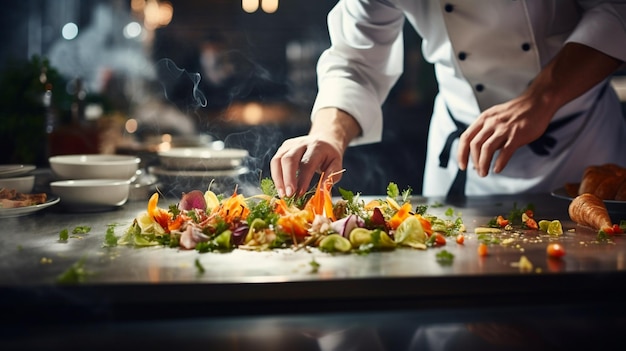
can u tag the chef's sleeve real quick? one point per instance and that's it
(363, 63)
(602, 27)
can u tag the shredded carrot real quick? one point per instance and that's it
(403, 213)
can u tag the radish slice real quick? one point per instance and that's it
(192, 200)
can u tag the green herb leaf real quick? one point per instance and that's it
(174, 210)
(199, 266)
(83, 229)
(406, 194)
(268, 187)
(346, 194)
(444, 257)
(75, 274)
(421, 209)
(64, 235)
(392, 190)
(110, 239)
(314, 266)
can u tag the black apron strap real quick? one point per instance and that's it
(458, 185)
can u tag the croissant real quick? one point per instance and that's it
(589, 210)
(608, 182)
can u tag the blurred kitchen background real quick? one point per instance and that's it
(136, 76)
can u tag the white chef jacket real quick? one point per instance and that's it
(484, 53)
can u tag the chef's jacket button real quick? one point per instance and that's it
(462, 55)
(449, 7)
(479, 87)
(526, 46)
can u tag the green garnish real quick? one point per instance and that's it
(199, 266)
(444, 257)
(192, 214)
(406, 194)
(421, 209)
(314, 266)
(488, 239)
(220, 243)
(174, 210)
(392, 190)
(110, 239)
(262, 210)
(268, 187)
(64, 235)
(602, 236)
(75, 274)
(82, 229)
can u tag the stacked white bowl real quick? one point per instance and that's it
(17, 177)
(94, 182)
(196, 168)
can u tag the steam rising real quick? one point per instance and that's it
(170, 74)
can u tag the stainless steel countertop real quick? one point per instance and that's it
(126, 279)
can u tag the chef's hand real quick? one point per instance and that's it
(298, 159)
(503, 128)
(574, 70)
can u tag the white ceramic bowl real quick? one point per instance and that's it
(23, 184)
(91, 194)
(94, 166)
(200, 158)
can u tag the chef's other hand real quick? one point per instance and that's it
(298, 159)
(504, 127)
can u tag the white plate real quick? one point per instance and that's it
(7, 171)
(201, 158)
(23, 211)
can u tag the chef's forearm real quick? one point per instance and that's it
(336, 123)
(573, 71)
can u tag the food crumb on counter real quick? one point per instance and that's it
(45, 260)
(523, 264)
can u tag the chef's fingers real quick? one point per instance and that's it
(464, 145)
(506, 152)
(488, 149)
(318, 159)
(284, 168)
(476, 150)
(309, 165)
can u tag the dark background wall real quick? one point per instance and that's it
(261, 41)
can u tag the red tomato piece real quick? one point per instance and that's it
(555, 250)
(460, 239)
(482, 250)
(502, 222)
(531, 224)
(440, 240)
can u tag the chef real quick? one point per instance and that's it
(524, 101)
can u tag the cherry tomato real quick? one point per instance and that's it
(482, 250)
(555, 250)
(617, 229)
(460, 239)
(502, 222)
(531, 224)
(440, 240)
